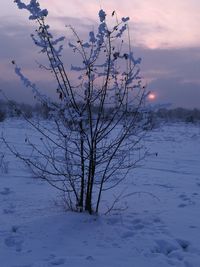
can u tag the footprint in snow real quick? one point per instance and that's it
(184, 197)
(187, 200)
(197, 182)
(6, 191)
(9, 210)
(14, 242)
(89, 258)
(182, 205)
(165, 247)
(116, 245)
(127, 234)
(172, 249)
(183, 243)
(113, 221)
(193, 226)
(189, 203)
(57, 262)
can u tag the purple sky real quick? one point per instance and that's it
(164, 33)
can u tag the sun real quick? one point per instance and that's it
(152, 96)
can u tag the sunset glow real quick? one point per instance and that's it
(151, 96)
(165, 34)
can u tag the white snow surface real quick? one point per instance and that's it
(159, 228)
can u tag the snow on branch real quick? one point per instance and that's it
(34, 9)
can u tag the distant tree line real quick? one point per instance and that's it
(166, 115)
(14, 109)
(178, 115)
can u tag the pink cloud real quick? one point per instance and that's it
(159, 23)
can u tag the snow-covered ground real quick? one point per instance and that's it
(159, 228)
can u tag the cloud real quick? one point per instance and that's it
(15, 40)
(155, 23)
(183, 63)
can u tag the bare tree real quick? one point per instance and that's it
(97, 122)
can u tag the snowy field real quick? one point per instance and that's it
(159, 228)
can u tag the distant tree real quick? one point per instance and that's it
(178, 115)
(27, 110)
(98, 120)
(2, 111)
(2, 115)
(44, 111)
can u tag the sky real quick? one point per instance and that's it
(165, 34)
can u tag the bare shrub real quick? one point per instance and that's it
(98, 120)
